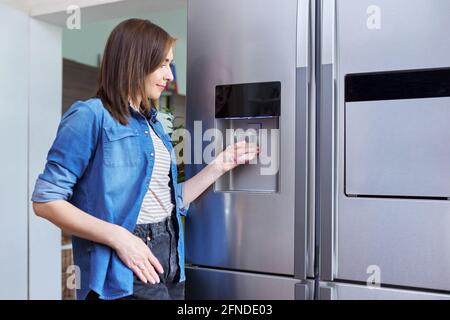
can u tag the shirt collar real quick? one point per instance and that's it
(151, 115)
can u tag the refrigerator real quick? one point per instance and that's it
(349, 101)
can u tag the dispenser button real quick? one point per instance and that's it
(248, 133)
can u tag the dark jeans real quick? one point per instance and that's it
(162, 239)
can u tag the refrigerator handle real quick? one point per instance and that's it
(303, 33)
(325, 143)
(303, 252)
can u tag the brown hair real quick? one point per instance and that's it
(135, 48)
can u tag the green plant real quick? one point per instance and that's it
(167, 119)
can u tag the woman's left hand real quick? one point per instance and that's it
(236, 154)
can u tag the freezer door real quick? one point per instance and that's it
(236, 224)
(343, 291)
(210, 284)
(392, 214)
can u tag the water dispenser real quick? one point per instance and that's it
(250, 112)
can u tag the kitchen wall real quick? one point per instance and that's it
(30, 94)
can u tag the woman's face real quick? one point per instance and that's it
(156, 82)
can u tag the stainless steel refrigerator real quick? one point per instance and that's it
(353, 97)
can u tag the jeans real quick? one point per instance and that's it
(161, 238)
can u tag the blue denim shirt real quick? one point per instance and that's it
(104, 168)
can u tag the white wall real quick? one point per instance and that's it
(13, 161)
(44, 113)
(86, 44)
(30, 95)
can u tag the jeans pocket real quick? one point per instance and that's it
(149, 242)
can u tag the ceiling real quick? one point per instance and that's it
(54, 11)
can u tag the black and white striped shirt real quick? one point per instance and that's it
(157, 204)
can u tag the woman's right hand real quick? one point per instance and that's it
(137, 256)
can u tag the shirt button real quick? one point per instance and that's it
(146, 132)
(152, 154)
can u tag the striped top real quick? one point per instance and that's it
(157, 204)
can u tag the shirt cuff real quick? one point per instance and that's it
(183, 209)
(45, 191)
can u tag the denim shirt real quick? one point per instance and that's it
(104, 168)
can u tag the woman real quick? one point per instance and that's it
(111, 179)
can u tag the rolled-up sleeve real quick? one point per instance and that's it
(180, 197)
(69, 155)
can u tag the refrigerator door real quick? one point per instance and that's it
(392, 213)
(231, 225)
(208, 284)
(342, 291)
